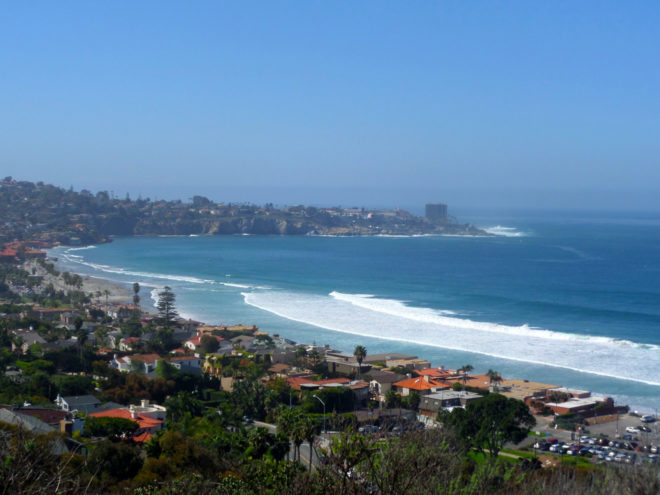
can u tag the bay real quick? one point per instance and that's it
(566, 299)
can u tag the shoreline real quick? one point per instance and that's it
(123, 295)
(118, 294)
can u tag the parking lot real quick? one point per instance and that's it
(625, 440)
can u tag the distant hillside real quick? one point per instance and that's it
(56, 215)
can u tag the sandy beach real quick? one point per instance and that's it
(118, 294)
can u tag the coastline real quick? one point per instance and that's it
(118, 294)
(117, 289)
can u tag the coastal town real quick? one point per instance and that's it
(122, 395)
(86, 359)
(51, 215)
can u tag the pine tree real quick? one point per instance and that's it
(166, 307)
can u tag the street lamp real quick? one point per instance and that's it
(321, 401)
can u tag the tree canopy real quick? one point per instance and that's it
(488, 423)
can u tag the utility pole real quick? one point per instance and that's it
(321, 401)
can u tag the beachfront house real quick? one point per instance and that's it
(423, 385)
(431, 404)
(142, 363)
(380, 382)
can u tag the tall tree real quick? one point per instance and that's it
(136, 299)
(465, 369)
(360, 353)
(310, 429)
(165, 306)
(488, 423)
(106, 293)
(493, 377)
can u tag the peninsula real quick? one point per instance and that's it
(50, 214)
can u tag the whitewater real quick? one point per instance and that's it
(365, 315)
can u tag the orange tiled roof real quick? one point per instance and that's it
(145, 422)
(197, 339)
(436, 372)
(142, 438)
(419, 383)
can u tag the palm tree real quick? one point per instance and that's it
(106, 293)
(465, 369)
(315, 356)
(310, 428)
(493, 376)
(298, 431)
(136, 299)
(360, 353)
(285, 421)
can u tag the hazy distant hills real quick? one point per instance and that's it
(53, 214)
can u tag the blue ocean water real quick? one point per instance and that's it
(570, 300)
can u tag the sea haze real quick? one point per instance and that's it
(569, 301)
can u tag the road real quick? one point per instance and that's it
(305, 450)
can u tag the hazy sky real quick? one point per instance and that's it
(337, 102)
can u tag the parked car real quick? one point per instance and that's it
(647, 418)
(645, 428)
(632, 429)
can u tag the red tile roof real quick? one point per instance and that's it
(142, 438)
(197, 339)
(436, 372)
(145, 422)
(419, 384)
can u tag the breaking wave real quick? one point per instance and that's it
(390, 319)
(122, 271)
(505, 231)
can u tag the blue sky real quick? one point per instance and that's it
(492, 103)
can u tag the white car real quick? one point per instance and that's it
(632, 429)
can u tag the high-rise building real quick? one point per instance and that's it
(436, 212)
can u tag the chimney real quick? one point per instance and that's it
(144, 402)
(66, 426)
(426, 378)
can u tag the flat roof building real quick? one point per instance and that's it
(436, 212)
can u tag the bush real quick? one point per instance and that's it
(109, 427)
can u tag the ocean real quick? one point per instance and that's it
(562, 298)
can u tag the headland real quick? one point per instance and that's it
(52, 215)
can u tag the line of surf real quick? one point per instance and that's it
(122, 271)
(504, 231)
(597, 356)
(78, 259)
(394, 307)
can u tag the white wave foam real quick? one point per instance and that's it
(388, 319)
(80, 248)
(123, 271)
(240, 286)
(504, 231)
